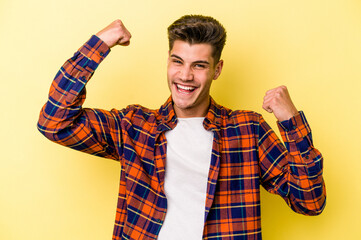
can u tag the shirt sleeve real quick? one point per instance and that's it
(63, 120)
(293, 170)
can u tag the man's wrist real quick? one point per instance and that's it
(294, 128)
(95, 49)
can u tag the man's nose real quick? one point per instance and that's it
(186, 74)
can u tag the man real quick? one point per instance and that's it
(191, 169)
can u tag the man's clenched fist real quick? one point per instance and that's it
(115, 34)
(279, 102)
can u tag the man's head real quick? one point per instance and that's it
(195, 29)
(195, 46)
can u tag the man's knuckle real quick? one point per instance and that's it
(118, 21)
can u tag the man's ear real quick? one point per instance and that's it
(218, 70)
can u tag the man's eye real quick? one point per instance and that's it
(177, 61)
(200, 66)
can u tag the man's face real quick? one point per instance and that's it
(191, 70)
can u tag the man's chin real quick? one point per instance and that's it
(182, 106)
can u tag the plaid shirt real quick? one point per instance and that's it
(246, 154)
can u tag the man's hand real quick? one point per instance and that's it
(279, 102)
(115, 34)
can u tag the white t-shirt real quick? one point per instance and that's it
(189, 149)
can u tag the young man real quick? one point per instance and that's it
(191, 169)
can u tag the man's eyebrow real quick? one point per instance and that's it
(199, 61)
(175, 56)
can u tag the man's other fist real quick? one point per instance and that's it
(115, 34)
(279, 102)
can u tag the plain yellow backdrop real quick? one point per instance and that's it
(50, 192)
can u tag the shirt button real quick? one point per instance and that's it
(307, 157)
(294, 127)
(158, 220)
(101, 54)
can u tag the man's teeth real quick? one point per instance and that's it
(185, 88)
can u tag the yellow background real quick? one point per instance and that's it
(313, 46)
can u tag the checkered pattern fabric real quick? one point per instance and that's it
(246, 154)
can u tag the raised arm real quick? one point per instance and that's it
(63, 120)
(294, 172)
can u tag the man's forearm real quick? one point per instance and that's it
(63, 120)
(294, 173)
(307, 188)
(67, 92)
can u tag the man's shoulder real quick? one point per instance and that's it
(238, 115)
(246, 117)
(137, 111)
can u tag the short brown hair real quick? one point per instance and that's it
(198, 29)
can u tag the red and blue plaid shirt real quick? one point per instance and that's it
(246, 154)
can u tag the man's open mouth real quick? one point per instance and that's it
(184, 89)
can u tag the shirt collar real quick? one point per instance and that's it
(168, 118)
